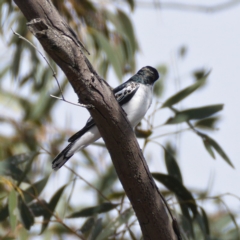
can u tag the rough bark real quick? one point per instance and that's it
(60, 42)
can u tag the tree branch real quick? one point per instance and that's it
(61, 43)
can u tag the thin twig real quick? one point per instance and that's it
(170, 133)
(54, 73)
(89, 184)
(70, 195)
(76, 104)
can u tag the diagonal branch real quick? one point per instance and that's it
(61, 43)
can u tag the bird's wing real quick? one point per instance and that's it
(123, 94)
(90, 123)
(125, 91)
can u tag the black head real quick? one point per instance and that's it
(149, 74)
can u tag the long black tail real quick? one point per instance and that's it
(61, 158)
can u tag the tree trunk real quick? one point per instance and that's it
(61, 43)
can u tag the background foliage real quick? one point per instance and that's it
(31, 200)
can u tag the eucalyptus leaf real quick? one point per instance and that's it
(127, 28)
(4, 212)
(171, 164)
(97, 229)
(12, 208)
(34, 190)
(20, 158)
(113, 225)
(195, 113)
(208, 123)
(51, 207)
(88, 224)
(205, 221)
(91, 211)
(131, 4)
(106, 181)
(184, 93)
(208, 147)
(39, 208)
(176, 187)
(213, 144)
(108, 49)
(25, 214)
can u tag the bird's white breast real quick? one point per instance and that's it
(137, 107)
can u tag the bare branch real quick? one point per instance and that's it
(61, 43)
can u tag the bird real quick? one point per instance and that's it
(134, 96)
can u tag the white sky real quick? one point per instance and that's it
(212, 41)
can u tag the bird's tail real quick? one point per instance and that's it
(62, 158)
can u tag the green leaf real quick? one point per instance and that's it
(195, 113)
(186, 219)
(159, 85)
(20, 158)
(12, 208)
(108, 49)
(23, 234)
(205, 221)
(97, 229)
(26, 214)
(199, 74)
(127, 28)
(177, 187)
(103, 68)
(10, 167)
(184, 93)
(131, 4)
(217, 147)
(208, 147)
(207, 123)
(116, 195)
(87, 226)
(158, 88)
(126, 48)
(4, 212)
(39, 208)
(13, 171)
(27, 168)
(171, 163)
(87, 212)
(234, 220)
(140, 133)
(106, 181)
(51, 207)
(110, 229)
(34, 190)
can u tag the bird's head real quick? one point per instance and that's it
(148, 74)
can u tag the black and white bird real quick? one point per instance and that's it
(134, 96)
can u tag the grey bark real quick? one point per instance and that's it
(61, 43)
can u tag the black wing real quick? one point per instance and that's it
(123, 94)
(90, 123)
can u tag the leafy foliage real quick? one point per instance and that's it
(31, 195)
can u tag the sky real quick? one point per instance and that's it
(212, 42)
